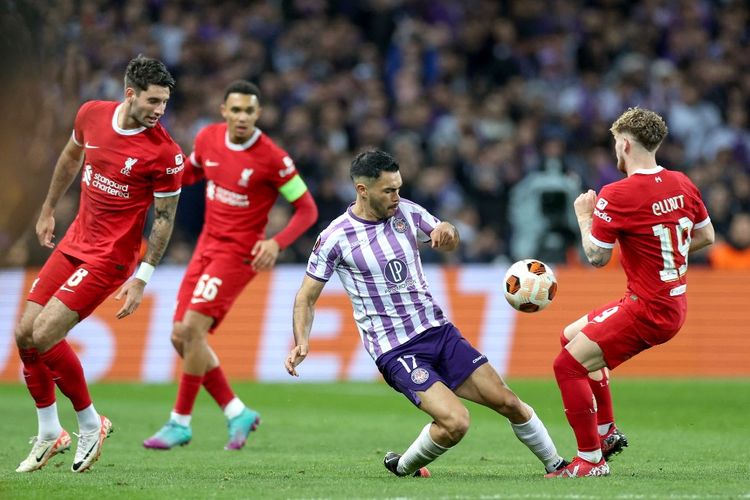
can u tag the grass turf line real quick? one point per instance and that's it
(688, 440)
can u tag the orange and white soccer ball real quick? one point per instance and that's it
(529, 285)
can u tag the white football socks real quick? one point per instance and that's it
(535, 436)
(591, 456)
(49, 424)
(180, 419)
(234, 408)
(88, 419)
(421, 452)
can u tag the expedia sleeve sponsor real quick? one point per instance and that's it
(602, 215)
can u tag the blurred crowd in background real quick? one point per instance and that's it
(497, 111)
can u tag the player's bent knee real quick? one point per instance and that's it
(177, 342)
(45, 333)
(24, 334)
(188, 336)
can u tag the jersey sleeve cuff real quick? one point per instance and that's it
(167, 194)
(73, 136)
(193, 161)
(702, 223)
(316, 278)
(600, 243)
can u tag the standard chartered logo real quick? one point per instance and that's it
(104, 183)
(218, 193)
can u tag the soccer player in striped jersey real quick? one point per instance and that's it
(374, 249)
(245, 173)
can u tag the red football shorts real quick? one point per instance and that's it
(80, 286)
(212, 283)
(621, 333)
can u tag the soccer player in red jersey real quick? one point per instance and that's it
(245, 172)
(128, 160)
(658, 217)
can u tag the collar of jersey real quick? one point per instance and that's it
(123, 131)
(649, 171)
(364, 221)
(241, 147)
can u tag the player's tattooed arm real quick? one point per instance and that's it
(596, 255)
(164, 214)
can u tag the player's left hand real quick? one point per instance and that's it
(265, 253)
(132, 290)
(297, 356)
(584, 204)
(444, 236)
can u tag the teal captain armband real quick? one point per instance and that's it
(293, 189)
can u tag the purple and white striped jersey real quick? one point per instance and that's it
(379, 265)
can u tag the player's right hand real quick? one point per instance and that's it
(45, 230)
(296, 356)
(584, 204)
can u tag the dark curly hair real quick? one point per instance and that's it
(144, 71)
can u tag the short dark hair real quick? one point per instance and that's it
(646, 127)
(371, 163)
(242, 87)
(143, 71)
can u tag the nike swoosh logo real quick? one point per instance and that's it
(66, 289)
(210, 163)
(197, 301)
(89, 146)
(41, 457)
(78, 464)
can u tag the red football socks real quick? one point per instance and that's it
(37, 377)
(217, 386)
(186, 394)
(67, 373)
(605, 413)
(578, 400)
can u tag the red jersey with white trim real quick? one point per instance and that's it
(123, 170)
(243, 183)
(652, 213)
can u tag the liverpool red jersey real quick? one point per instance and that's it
(123, 170)
(652, 213)
(243, 182)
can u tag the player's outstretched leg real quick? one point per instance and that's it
(240, 428)
(613, 442)
(391, 460)
(90, 445)
(42, 450)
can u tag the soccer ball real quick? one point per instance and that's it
(529, 285)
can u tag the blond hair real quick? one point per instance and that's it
(645, 126)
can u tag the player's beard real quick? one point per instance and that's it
(383, 211)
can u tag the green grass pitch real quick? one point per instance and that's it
(689, 439)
